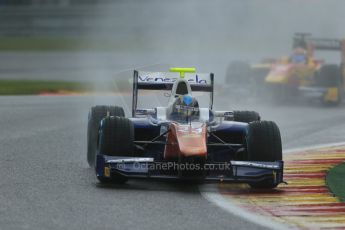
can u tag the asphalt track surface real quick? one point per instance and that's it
(47, 184)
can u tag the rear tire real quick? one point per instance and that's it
(264, 144)
(96, 114)
(330, 76)
(116, 139)
(246, 116)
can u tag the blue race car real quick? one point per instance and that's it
(184, 140)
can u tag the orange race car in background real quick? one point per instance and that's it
(300, 74)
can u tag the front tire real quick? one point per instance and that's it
(330, 76)
(264, 144)
(116, 139)
(96, 114)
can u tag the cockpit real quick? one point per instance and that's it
(184, 109)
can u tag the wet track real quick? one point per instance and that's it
(46, 182)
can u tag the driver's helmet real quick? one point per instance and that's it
(299, 56)
(185, 108)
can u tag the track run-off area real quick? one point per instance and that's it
(305, 202)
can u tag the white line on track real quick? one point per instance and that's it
(227, 205)
(231, 207)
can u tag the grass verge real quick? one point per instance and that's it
(49, 44)
(42, 44)
(37, 44)
(33, 87)
(336, 182)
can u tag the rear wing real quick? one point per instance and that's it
(199, 82)
(326, 44)
(305, 41)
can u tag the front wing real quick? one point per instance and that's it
(327, 94)
(147, 168)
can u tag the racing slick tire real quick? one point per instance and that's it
(246, 116)
(116, 139)
(96, 114)
(264, 144)
(330, 76)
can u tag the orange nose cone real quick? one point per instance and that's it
(186, 140)
(192, 145)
